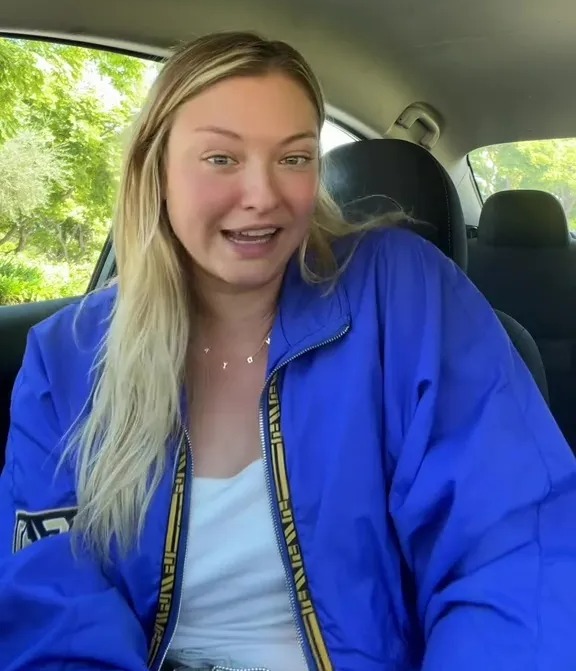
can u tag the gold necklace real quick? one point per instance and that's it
(249, 359)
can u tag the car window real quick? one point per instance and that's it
(64, 111)
(546, 165)
(334, 135)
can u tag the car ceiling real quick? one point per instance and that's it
(494, 70)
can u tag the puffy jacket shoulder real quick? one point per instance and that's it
(50, 391)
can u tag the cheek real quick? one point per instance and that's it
(195, 201)
(212, 196)
(302, 195)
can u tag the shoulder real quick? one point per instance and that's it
(80, 325)
(394, 257)
(61, 352)
(392, 246)
(412, 280)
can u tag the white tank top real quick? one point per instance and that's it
(235, 610)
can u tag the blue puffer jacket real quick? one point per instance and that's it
(424, 499)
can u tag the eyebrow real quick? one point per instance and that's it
(306, 135)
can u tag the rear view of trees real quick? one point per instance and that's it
(63, 113)
(547, 165)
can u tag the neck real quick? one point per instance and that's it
(227, 316)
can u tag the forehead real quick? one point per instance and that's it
(267, 104)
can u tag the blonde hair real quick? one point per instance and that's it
(120, 447)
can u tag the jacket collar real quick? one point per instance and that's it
(307, 316)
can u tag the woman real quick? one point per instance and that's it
(377, 483)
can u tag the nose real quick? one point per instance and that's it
(261, 191)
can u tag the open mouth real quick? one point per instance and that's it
(252, 237)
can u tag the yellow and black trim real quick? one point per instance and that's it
(172, 544)
(310, 619)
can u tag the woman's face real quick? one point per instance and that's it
(242, 173)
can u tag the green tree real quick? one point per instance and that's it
(547, 165)
(18, 73)
(63, 113)
(29, 167)
(82, 99)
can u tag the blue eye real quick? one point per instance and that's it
(220, 160)
(296, 160)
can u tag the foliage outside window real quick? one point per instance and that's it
(546, 165)
(63, 112)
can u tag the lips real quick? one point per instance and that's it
(253, 236)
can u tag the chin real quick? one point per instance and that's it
(249, 279)
(252, 282)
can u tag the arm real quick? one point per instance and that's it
(484, 494)
(55, 610)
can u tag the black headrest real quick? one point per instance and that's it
(523, 218)
(357, 174)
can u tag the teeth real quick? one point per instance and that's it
(256, 233)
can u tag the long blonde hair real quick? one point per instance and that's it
(120, 447)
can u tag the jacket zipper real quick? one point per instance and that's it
(304, 645)
(185, 541)
(304, 648)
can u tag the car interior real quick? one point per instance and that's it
(414, 88)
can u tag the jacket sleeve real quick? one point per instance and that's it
(483, 495)
(56, 610)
